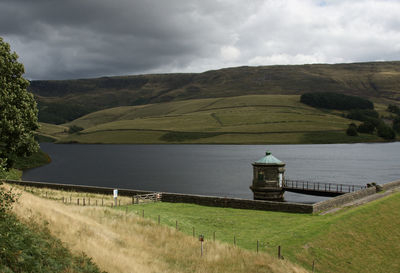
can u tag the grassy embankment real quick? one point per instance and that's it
(124, 242)
(360, 239)
(238, 120)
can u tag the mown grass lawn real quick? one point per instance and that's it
(361, 239)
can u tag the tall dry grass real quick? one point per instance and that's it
(120, 242)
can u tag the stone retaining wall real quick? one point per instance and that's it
(224, 202)
(236, 203)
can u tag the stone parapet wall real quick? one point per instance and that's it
(236, 203)
(342, 199)
(390, 185)
(349, 197)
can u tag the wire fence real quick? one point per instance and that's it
(203, 235)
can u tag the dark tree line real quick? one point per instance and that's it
(358, 109)
(330, 100)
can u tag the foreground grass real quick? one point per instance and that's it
(121, 241)
(236, 120)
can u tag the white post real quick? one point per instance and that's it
(115, 197)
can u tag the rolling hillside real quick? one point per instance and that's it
(240, 120)
(62, 101)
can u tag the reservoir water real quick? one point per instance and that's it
(219, 170)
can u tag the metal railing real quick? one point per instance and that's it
(321, 187)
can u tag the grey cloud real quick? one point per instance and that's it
(88, 38)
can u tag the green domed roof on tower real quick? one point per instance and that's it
(269, 159)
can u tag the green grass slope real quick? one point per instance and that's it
(360, 239)
(243, 119)
(61, 101)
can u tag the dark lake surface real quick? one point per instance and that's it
(220, 170)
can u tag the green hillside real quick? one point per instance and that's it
(61, 101)
(240, 120)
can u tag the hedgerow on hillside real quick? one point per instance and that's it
(331, 100)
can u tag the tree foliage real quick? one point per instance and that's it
(331, 100)
(18, 112)
(352, 130)
(396, 124)
(393, 109)
(386, 132)
(366, 128)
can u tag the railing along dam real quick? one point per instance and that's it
(319, 188)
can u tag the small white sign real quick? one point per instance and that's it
(115, 193)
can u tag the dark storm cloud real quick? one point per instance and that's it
(90, 38)
(87, 38)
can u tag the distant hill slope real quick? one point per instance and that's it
(240, 120)
(61, 101)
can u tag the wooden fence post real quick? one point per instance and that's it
(176, 224)
(77, 201)
(279, 252)
(257, 246)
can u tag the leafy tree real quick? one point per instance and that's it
(396, 124)
(366, 127)
(74, 129)
(18, 112)
(386, 132)
(352, 130)
(393, 109)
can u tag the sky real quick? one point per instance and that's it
(92, 38)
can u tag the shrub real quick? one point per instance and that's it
(363, 114)
(393, 109)
(7, 198)
(386, 132)
(352, 130)
(396, 124)
(74, 129)
(338, 101)
(366, 127)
